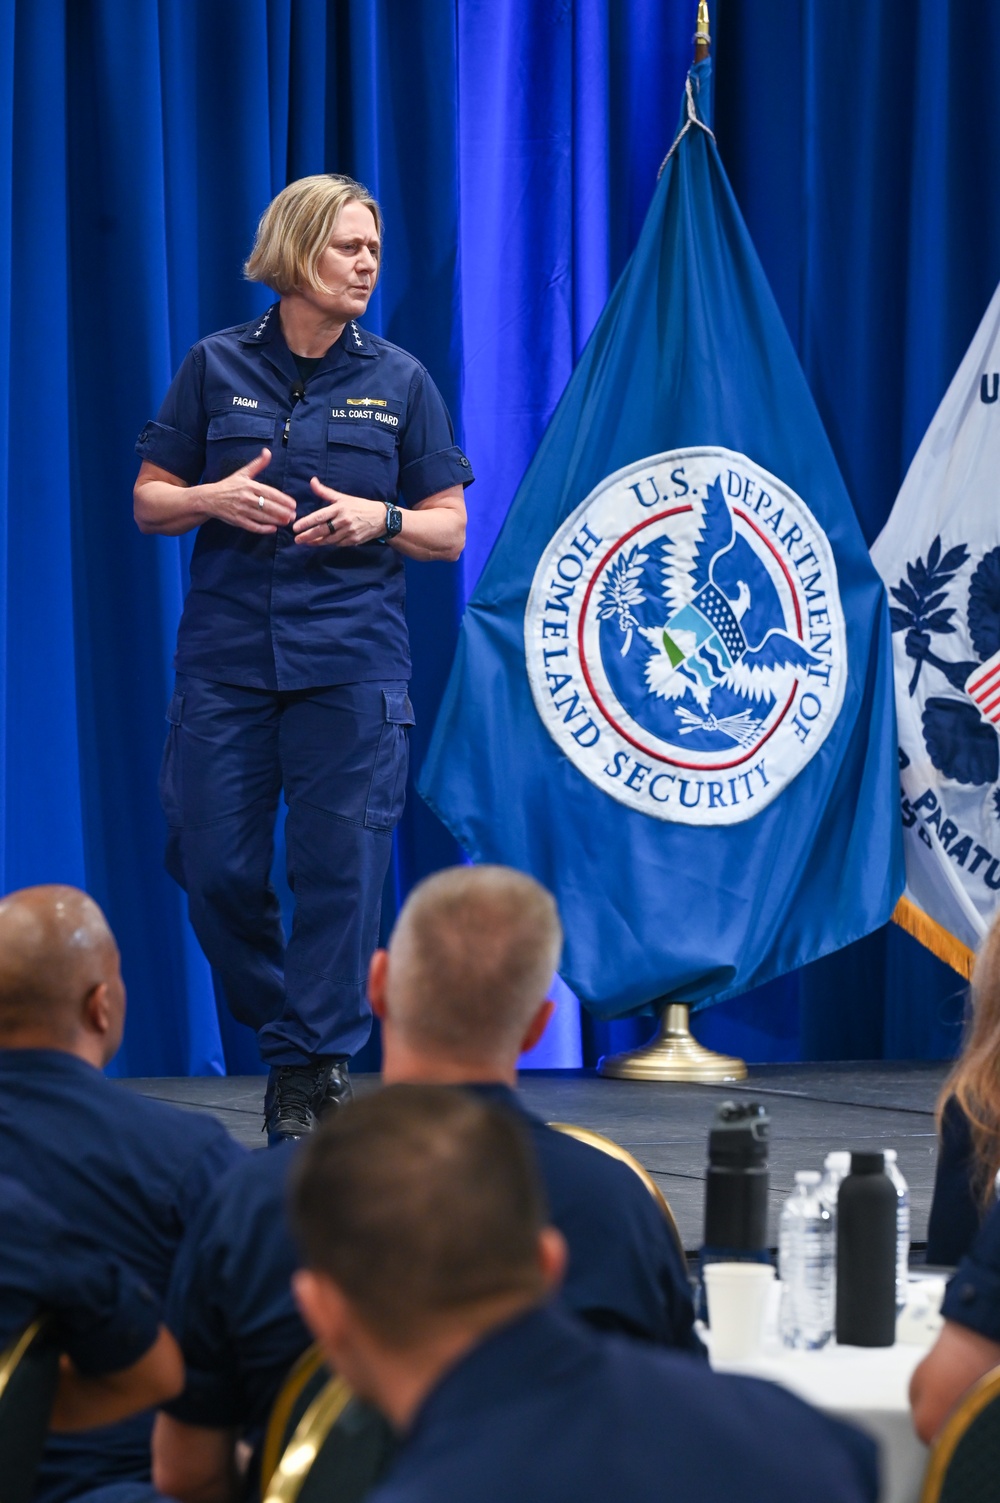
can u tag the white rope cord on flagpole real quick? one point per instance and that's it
(692, 119)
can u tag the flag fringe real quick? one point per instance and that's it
(934, 937)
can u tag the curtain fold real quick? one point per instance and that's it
(514, 145)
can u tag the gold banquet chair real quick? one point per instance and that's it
(306, 1378)
(29, 1372)
(616, 1151)
(964, 1465)
(322, 1444)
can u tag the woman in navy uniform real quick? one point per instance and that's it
(312, 456)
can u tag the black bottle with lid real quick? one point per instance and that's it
(736, 1184)
(866, 1254)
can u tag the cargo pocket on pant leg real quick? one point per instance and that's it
(387, 790)
(170, 769)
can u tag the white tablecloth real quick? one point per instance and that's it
(867, 1386)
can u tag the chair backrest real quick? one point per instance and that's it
(307, 1377)
(29, 1372)
(337, 1453)
(964, 1465)
(616, 1151)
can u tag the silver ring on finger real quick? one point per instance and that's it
(330, 527)
(260, 502)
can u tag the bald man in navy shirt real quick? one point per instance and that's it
(128, 1171)
(429, 1267)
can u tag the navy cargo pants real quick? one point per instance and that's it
(340, 754)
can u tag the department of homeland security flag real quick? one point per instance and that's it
(939, 555)
(672, 697)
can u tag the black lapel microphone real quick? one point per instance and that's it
(298, 392)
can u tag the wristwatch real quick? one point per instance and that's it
(393, 522)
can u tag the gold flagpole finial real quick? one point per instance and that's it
(702, 34)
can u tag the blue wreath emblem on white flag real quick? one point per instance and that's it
(959, 732)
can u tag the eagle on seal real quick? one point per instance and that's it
(701, 646)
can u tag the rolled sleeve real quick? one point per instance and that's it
(433, 473)
(972, 1298)
(175, 441)
(211, 1399)
(429, 460)
(119, 1338)
(107, 1316)
(171, 450)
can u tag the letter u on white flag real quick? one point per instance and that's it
(939, 555)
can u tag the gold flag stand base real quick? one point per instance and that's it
(674, 1054)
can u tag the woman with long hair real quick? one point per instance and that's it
(968, 1119)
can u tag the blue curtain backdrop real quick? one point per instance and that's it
(514, 145)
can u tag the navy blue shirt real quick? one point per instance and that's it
(230, 1304)
(545, 1409)
(955, 1212)
(625, 1270)
(973, 1296)
(131, 1173)
(104, 1317)
(231, 1308)
(262, 611)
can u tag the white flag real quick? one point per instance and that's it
(939, 555)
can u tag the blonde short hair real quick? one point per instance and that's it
(296, 227)
(472, 956)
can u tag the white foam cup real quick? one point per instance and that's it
(737, 1295)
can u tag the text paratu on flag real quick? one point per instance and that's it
(939, 554)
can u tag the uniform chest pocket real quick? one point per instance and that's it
(361, 458)
(234, 438)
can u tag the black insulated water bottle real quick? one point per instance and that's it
(737, 1184)
(866, 1254)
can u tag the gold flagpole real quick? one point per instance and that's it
(675, 1054)
(702, 34)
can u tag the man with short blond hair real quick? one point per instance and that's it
(473, 954)
(462, 994)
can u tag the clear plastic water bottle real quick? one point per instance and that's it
(836, 1166)
(806, 1265)
(902, 1226)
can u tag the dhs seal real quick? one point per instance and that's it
(684, 637)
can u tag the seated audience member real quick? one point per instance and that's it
(128, 1171)
(969, 1120)
(428, 1270)
(969, 1343)
(105, 1320)
(461, 994)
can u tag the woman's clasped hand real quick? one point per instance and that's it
(346, 522)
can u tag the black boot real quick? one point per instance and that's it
(292, 1099)
(338, 1090)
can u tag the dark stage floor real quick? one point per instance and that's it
(813, 1109)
